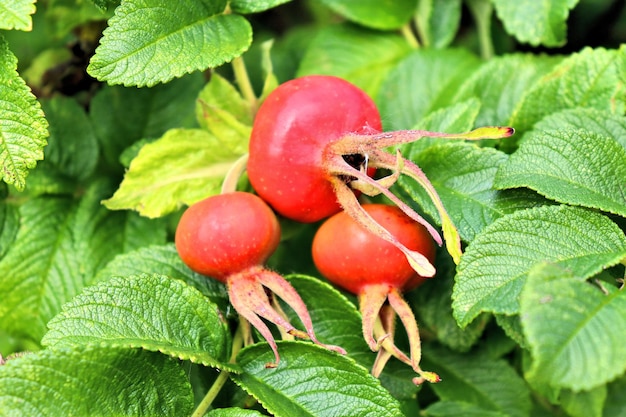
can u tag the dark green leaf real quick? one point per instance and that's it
(154, 312)
(373, 13)
(361, 56)
(312, 381)
(89, 382)
(23, 127)
(573, 329)
(570, 166)
(494, 267)
(615, 400)
(491, 384)
(459, 408)
(424, 81)
(153, 41)
(536, 22)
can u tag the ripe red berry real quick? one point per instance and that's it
(229, 237)
(314, 141)
(357, 260)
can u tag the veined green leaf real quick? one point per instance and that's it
(182, 167)
(388, 14)
(23, 127)
(121, 116)
(87, 382)
(574, 329)
(312, 381)
(16, 14)
(570, 166)
(488, 383)
(463, 175)
(60, 245)
(153, 41)
(496, 263)
(154, 312)
(424, 81)
(233, 412)
(501, 83)
(361, 56)
(254, 6)
(163, 259)
(535, 22)
(589, 78)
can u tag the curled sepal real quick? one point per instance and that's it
(379, 329)
(247, 294)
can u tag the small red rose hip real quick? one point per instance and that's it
(229, 237)
(352, 257)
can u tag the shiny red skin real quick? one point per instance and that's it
(227, 233)
(289, 137)
(352, 257)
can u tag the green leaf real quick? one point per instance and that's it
(438, 21)
(476, 379)
(615, 401)
(23, 127)
(222, 111)
(233, 412)
(122, 116)
(373, 14)
(501, 83)
(16, 14)
(9, 225)
(254, 6)
(163, 259)
(312, 381)
(589, 78)
(407, 95)
(153, 41)
(535, 22)
(86, 382)
(573, 328)
(463, 175)
(496, 263)
(361, 56)
(154, 312)
(182, 167)
(584, 403)
(570, 166)
(460, 408)
(72, 145)
(60, 245)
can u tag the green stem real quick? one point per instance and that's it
(410, 37)
(204, 405)
(243, 81)
(482, 11)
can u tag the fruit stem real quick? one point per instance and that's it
(231, 180)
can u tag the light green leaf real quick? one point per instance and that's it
(182, 167)
(479, 380)
(9, 222)
(501, 83)
(72, 145)
(600, 122)
(163, 259)
(312, 381)
(122, 116)
(387, 14)
(23, 127)
(361, 56)
(154, 312)
(254, 6)
(574, 329)
(570, 166)
(535, 22)
(424, 81)
(222, 111)
(60, 245)
(438, 21)
(153, 41)
(463, 174)
(88, 382)
(16, 14)
(585, 403)
(233, 412)
(589, 78)
(496, 263)
(459, 408)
